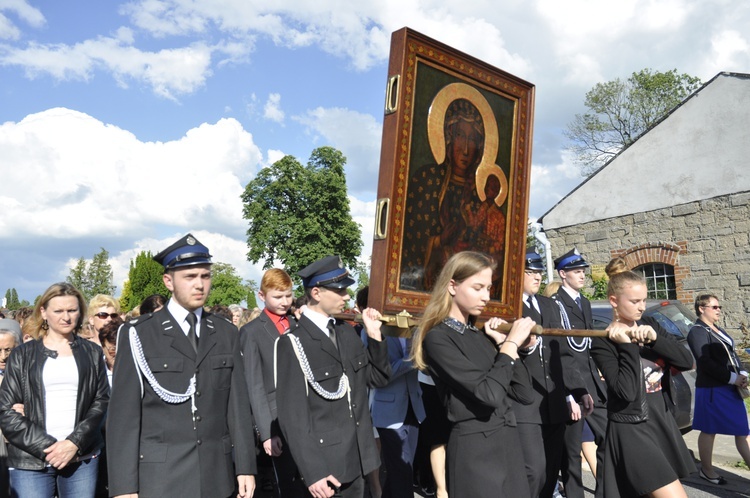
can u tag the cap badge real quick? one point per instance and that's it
(190, 241)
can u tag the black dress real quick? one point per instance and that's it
(474, 382)
(644, 449)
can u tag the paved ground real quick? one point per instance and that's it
(725, 458)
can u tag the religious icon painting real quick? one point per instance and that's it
(454, 173)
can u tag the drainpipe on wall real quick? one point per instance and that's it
(542, 238)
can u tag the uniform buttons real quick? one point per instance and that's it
(141, 457)
(198, 442)
(166, 366)
(326, 374)
(197, 393)
(321, 441)
(197, 418)
(224, 362)
(357, 424)
(354, 405)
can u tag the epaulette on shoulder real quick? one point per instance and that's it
(140, 319)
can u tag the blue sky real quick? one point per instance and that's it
(124, 125)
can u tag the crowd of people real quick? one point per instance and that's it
(174, 399)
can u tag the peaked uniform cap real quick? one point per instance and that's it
(534, 261)
(326, 272)
(187, 251)
(570, 260)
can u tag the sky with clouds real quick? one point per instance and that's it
(125, 124)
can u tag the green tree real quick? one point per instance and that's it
(11, 299)
(252, 288)
(99, 275)
(78, 275)
(93, 278)
(298, 214)
(226, 286)
(620, 111)
(144, 279)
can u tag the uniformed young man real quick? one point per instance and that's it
(179, 421)
(321, 393)
(576, 314)
(551, 366)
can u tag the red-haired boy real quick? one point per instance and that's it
(257, 340)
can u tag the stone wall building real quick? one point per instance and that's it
(675, 204)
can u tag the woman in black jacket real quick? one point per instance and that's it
(644, 453)
(719, 409)
(475, 372)
(61, 381)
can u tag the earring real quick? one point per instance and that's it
(45, 325)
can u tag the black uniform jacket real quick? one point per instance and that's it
(552, 369)
(257, 340)
(327, 437)
(621, 366)
(714, 365)
(23, 384)
(583, 319)
(154, 448)
(473, 379)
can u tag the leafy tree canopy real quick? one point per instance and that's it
(93, 278)
(227, 286)
(298, 214)
(620, 111)
(144, 279)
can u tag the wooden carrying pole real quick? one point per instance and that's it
(403, 324)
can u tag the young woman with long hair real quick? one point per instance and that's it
(475, 372)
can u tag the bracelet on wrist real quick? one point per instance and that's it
(514, 343)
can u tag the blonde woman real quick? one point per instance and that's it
(644, 453)
(475, 372)
(61, 381)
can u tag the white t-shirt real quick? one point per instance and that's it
(60, 378)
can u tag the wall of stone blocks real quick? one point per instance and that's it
(708, 243)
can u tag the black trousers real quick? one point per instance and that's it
(289, 483)
(572, 473)
(542, 462)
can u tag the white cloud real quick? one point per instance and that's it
(363, 212)
(25, 12)
(67, 175)
(355, 134)
(550, 183)
(272, 109)
(169, 72)
(273, 155)
(731, 51)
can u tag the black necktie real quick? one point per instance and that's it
(578, 302)
(533, 313)
(192, 336)
(332, 333)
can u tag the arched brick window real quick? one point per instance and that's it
(660, 280)
(659, 264)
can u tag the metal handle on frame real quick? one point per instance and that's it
(381, 218)
(391, 94)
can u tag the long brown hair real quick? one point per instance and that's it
(459, 267)
(55, 290)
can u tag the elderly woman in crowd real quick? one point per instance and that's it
(719, 409)
(108, 340)
(61, 381)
